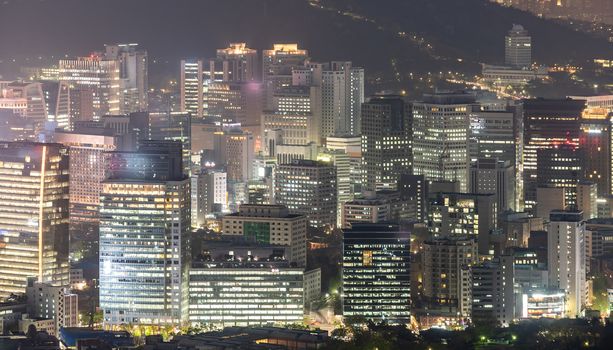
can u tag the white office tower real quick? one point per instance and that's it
(208, 195)
(518, 47)
(295, 114)
(277, 65)
(99, 75)
(191, 84)
(133, 69)
(145, 250)
(566, 258)
(342, 94)
(440, 137)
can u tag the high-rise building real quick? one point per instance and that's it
(277, 64)
(414, 188)
(587, 199)
(208, 195)
(309, 188)
(239, 63)
(595, 140)
(342, 163)
(101, 76)
(294, 115)
(89, 163)
(490, 175)
(352, 146)
(33, 215)
(561, 166)
(173, 126)
(133, 69)
(144, 237)
(26, 100)
(376, 273)
(440, 137)
(386, 142)
(493, 300)
(465, 215)
(192, 85)
(58, 103)
(446, 263)
(270, 224)
(518, 47)
(547, 123)
(566, 248)
(235, 102)
(341, 91)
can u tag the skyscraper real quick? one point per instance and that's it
(561, 166)
(101, 76)
(277, 64)
(88, 168)
(518, 47)
(33, 215)
(308, 187)
(440, 137)
(566, 258)
(239, 63)
(386, 141)
(144, 238)
(490, 175)
(547, 123)
(375, 273)
(595, 140)
(493, 301)
(191, 84)
(133, 69)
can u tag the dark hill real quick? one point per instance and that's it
(472, 30)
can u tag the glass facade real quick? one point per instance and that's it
(144, 251)
(33, 215)
(376, 266)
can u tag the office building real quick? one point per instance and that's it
(134, 75)
(561, 166)
(25, 100)
(270, 224)
(587, 199)
(352, 146)
(414, 188)
(99, 75)
(58, 104)
(88, 167)
(33, 215)
(518, 47)
(566, 258)
(595, 140)
(53, 302)
(294, 115)
(340, 86)
(386, 142)
(144, 237)
(445, 266)
(308, 188)
(245, 284)
(465, 215)
(547, 123)
(440, 137)
(173, 126)
(493, 301)
(340, 160)
(277, 64)
(208, 195)
(239, 63)
(192, 85)
(286, 154)
(375, 273)
(235, 102)
(492, 176)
